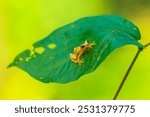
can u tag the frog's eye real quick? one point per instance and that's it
(83, 46)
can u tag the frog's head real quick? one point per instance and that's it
(77, 49)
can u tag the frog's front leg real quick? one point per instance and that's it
(73, 57)
(79, 60)
(91, 45)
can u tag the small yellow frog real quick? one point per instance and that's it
(78, 51)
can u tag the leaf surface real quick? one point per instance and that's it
(49, 60)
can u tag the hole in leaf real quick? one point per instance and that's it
(39, 50)
(27, 59)
(20, 59)
(52, 46)
(34, 56)
(32, 53)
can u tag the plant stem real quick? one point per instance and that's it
(129, 69)
(146, 45)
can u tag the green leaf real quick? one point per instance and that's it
(49, 60)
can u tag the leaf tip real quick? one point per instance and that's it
(10, 65)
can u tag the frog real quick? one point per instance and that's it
(80, 50)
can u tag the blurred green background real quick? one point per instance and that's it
(23, 22)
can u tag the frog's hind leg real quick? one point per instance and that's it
(72, 56)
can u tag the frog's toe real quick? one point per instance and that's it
(93, 43)
(81, 61)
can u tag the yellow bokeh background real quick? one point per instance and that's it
(24, 22)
